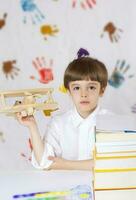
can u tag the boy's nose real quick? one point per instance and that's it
(83, 93)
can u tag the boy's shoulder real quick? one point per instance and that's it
(63, 115)
(104, 111)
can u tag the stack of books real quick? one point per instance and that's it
(115, 165)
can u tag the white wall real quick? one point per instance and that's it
(77, 27)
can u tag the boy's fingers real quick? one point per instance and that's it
(18, 114)
(51, 158)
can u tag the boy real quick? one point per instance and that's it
(69, 140)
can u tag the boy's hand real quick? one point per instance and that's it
(26, 121)
(58, 163)
(63, 164)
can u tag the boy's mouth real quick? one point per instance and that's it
(84, 102)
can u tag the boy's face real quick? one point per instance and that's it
(85, 95)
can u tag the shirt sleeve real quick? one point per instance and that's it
(52, 145)
(45, 163)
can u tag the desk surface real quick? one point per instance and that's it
(19, 182)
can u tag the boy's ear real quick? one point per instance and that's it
(68, 91)
(102, 92)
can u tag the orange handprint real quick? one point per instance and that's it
(2, 21)
(112, 31)
(9, 69)
(48, 30)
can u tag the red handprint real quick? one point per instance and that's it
(45, 73)
(84, 3)
(28, 158)
(24, 156)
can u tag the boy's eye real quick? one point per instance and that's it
(76, 88)
(92, 88)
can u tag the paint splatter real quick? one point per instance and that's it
(48, 113)
(48, 30)
(27, 158)
(62, 89)
(82, 53)
(2, 139)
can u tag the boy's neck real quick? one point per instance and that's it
(84, 115)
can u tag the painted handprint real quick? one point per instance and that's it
(118, 75)
(3, 21)
(31, 11)
(62, 89)
(84, 3)
(48, 30)
(82, 53)
(133, 108)
(45, 72)
(27, 158)
(9, 69)
(113, 32)
(2, 139)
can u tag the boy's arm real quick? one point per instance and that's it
(36, 140)
(63, 164)
(37, 143)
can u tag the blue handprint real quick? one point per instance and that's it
(118, 75)
(29, 7)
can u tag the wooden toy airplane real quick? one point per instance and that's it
(28, 104)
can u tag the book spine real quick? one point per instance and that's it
(107, 170)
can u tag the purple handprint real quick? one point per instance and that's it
(82, 53)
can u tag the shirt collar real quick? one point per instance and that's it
(77, 119)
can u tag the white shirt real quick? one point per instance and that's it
(69, 136)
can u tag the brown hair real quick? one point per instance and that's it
(86, 68)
